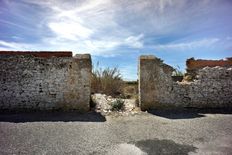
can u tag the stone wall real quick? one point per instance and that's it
(210, 89)
(44, 80)
(193, 64)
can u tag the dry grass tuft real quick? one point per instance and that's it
(106, 81)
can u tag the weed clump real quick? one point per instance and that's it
(117, 105)
(106, 81)
(177, 72)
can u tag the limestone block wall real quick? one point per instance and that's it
(44, 80)
(210, 89)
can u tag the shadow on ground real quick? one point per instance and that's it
(150, 147)
(23, 117)
(188, 113)
(156, 146)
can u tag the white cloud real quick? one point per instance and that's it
(100, 44)
(70, 30)
(100, 27)
(187, 45)
(4, 45)
(87, 26)
(135, 41)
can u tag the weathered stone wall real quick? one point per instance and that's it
(193, 64)
(44, 81)
(210, 89)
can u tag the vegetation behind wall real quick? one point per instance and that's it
(106, 81)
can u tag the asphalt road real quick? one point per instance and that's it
(157, 132)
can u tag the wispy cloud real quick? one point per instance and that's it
(13, 46)
(135, 41)
(102, 26)
(88, 26)
(70, 30)
(13, 24)
(187, 45)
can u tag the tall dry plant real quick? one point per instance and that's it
(106, 81)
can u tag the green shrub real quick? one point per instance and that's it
(118, 104)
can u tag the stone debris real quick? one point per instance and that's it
(103, 104)
(101, 101)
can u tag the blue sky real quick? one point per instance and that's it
(117, 32)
